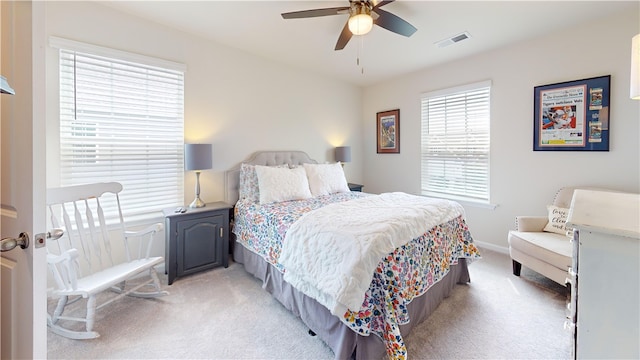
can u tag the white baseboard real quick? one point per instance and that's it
(492, 247)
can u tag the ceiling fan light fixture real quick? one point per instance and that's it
(363, 14)
(360, 21)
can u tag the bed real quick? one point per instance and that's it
(401, 288)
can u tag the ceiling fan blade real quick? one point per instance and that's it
(344, 38)
(377, 4)
(393, 23)
(314, 13)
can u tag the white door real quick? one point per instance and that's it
(23, 333)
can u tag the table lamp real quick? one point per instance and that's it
(197, 157)
(343, 154)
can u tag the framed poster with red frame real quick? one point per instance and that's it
(572, 115)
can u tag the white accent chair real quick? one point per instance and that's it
(93, 256)
(546, 253)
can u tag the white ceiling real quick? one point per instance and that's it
(257, 27)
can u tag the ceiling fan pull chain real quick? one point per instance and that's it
(358, 53)
(361, 49)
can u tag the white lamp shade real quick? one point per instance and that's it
(343, 153)
(634, 92)
(197, 156)
(361, 22)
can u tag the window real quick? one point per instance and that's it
(122, 119)
(455, 143)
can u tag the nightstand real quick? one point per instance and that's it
(355, 187)
(196, 240)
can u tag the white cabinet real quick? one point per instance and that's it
(606, 274)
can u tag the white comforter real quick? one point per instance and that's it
(330, 253)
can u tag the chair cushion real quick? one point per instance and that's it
(552, 248)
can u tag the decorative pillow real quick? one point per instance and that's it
(282, 184)
(557, 220)
(325, 179)
(248, 187)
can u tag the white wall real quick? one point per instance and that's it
(242, 103)
(523, 182)
(238, 102)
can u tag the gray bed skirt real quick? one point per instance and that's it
(344, 342)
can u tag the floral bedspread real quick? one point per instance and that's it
(406, 273)
(261, 228)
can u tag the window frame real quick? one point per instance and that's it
(142, 199)
(455, 108)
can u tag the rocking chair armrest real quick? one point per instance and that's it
(145, 238)
(67, 256)
(148, 230)
(63, 268)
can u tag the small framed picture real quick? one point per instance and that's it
(388, 129)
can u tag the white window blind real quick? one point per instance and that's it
(122, 121)
(455, 143)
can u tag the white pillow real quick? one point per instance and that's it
(248, 187)
(325, 179)
(282, 184)
(557, 220)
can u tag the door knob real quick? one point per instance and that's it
(10, 243)
(41, 238)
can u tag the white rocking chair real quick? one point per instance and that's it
(82, 263)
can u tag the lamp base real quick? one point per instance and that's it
(197, 203)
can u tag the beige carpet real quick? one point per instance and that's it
(225, 314)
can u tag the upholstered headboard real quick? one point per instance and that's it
(267, 158)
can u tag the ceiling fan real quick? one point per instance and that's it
(362, 15)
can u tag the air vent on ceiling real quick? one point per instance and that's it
(453, 39)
